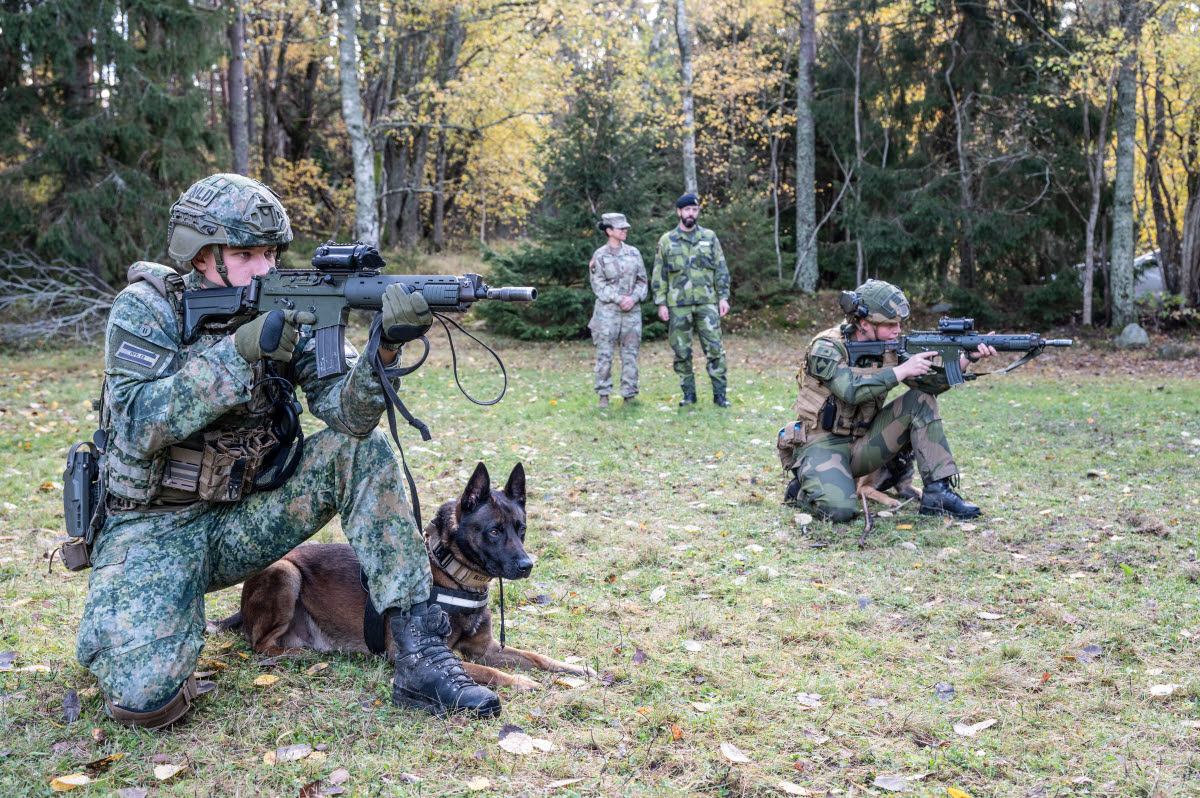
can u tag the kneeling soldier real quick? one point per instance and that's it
(845, 428)
(208, 482)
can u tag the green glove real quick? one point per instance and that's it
(406, 317)
(271, 335)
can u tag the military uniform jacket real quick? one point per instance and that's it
(689, 269)
(161, 391)
(618, 274)
(857, 392)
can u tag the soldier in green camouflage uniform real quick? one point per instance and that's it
(619, 282)
(845, 427)
(690, 283)
(183, 516)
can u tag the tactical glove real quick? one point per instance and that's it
(272, 335)
(406, 317)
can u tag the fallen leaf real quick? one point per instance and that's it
(639, 657)
(803, 519)
(943, 691)
(166, 772)
(266, 680)
(811, 700)
(100, 765)
(310, 790)
(658, 594)
(409, 778)
(989, 616)
(320, 667)
(701, 706)
(691, 645)
(967, 730)
(70, 782)
(292, 753)
(1192, 724)
(957, 793)
(556, 785)
(573, 682)
(72, 706)
(676, 733)
(903, 526)
(793, 789)
(131, 792)
(1161, 690)
(732, 753)
(339, 776)
(477, 783)
(517, 743)
(876, 702)
(893, 783)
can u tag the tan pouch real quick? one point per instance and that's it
(230, 462)
(789, 442)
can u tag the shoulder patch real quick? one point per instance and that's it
(823, 360)
(127, 352)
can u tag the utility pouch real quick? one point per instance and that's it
(828, 415)
(230, 462)
(83, 510)
(790, 440)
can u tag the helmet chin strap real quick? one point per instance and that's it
(222, 269)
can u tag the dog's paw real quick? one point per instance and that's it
(523, 683)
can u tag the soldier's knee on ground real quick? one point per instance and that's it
(162, 714)
(837, 513)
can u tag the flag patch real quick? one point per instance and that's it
(138, 356)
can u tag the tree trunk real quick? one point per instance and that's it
(804, 276)
(689, 113)
(439, 195)
(859, 256)
(1166, 235)
(1189, 261)
(1121, 259)
(410, 219)
(366, 220)
(238, 111)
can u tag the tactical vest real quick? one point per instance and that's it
(814, 397)
(201, 467)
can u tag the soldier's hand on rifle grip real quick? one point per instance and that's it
(406, 317)
(916, 366)
(272, 335)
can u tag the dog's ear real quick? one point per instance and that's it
(515, 489)
(477, 492)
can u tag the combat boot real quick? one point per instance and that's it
(792, 494)
(941, 499)
(603, 403)
(689, 397)
(719, 399)
(428, 675)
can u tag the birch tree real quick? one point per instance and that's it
(805, 275)
(366, 219)
(689, 111)
(1122, 254)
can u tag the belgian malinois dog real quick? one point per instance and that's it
(313, 598)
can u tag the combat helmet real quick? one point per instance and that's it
(876, 301)
(226, 210)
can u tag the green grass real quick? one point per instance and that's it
(1083, 463)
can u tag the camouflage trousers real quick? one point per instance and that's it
(143, 624)
(828, 466)
(613, 328)
(705, 321)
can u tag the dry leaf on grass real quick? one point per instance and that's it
(166, 772)
(339, 776)
(292, 753)
(310, 790)
(266, 680)
(988, 616)
(639, 657)
(967, 730)
(1163, 690)
(658, 594)
(701, 706)
(809, 700)
(98, 766)
(954, 792)
(556, 785)
(732, 753)
(793, 789)
(320, 667)
(893, 783)
(1192, 724)
(477, 783)
(131, 792)
(691, 645)
(676, 733)
(520, 743)
(573, 682)
(69, 782)
(72, 706)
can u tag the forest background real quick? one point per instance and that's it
(1011, 157)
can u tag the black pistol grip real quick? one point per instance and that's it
(331, 351)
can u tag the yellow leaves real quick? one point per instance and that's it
(954, 792)
(69, 782)
(266, 680)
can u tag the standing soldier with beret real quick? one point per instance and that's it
(204, 486)
(619, 282)
(691, 288)
(845, 430)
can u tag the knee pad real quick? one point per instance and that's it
(164, 714)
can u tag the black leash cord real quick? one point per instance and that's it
(454, 360)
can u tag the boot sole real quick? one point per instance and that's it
(404, 698)
(960, 516)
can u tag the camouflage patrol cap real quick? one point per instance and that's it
(616, 220)
(226, 209)
(884, 302)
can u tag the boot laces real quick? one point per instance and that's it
(436, 654)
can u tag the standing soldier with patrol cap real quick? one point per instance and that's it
(845, 430)
(691, 288)
(619, 282)
(204, 485)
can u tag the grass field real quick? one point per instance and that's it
(717, 620)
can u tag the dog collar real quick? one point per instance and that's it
(458, 600)
(441, 554)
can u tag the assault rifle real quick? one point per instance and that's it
(343, 276)
(951, 339)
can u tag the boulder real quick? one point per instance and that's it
(1132, 336)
